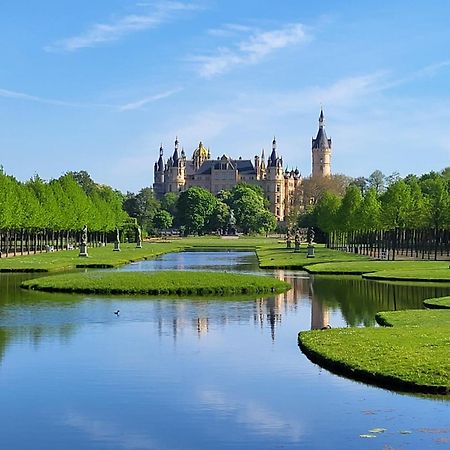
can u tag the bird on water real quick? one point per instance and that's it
(116, 312)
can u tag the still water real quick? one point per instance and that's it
(199, 374)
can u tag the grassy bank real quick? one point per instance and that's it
(277, 256)
(360, 267)
(411, 354)
(157, 283)
(405, 358)
(437, 303)
(271, 253)
(434, 272)
(418, 318)
(98, 257)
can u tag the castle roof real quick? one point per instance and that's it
(243, 166)
(321, 141)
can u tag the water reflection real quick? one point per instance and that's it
(186, 373)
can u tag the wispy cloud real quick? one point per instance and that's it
(251, 50)
(5, 93)
(230, 29)
(138, 104)
(107, 32)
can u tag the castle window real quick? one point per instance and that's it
(278, 188)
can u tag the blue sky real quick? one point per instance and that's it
(98, 85)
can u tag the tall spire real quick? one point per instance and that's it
(321, 141)
(161, 160)
(175, 152)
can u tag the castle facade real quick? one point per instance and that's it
(279, 185)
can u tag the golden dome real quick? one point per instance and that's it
(200, 152)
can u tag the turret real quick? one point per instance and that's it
(321, 151)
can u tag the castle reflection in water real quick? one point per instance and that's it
(349, 301)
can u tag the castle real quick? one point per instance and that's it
(279, 185)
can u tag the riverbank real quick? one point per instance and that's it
(158, 283)
(271, 253)
(409, 352)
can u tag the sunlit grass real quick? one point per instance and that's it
(158, 283)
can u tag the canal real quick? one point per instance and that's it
(200, 374)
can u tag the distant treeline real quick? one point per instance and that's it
(409, 216)
(37, 214)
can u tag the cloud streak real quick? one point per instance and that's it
(251, 50)
(138, 104)
(101, 33)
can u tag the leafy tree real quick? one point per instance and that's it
(265, 221)
(220, 217)
(370, 211)
(162, 220)
(396, 205)
(247, 203)
(326, 212)
(169, 203)
(377, 180)
(348, 214)
(314, 187)
(142, 206)
(195, 207)
(437, 202)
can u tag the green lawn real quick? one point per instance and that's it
(410, 352)
(413, 358)
(271, 253)
(437, 303)
(368, 266)
(417, 318)
(98, 257)
(157, 283)
(273, 256)
(431, 271)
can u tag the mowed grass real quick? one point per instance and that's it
(410, 352)
(158, 283)
(98, 257)
(429, 271)
(417, 318)
(278, 256)
(373, 267)
(271, 253)
(439, 303)
(412, 358)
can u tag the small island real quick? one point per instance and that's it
(159, 283)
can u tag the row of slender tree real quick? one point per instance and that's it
(37, 215)
(410, 217)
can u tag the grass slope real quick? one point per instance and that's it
(157, 283)
(403, 357)
(411, 354)
(437, 303)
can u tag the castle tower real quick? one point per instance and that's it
(274, 183)
(175, 173)
(158, 175)
(321, 151)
